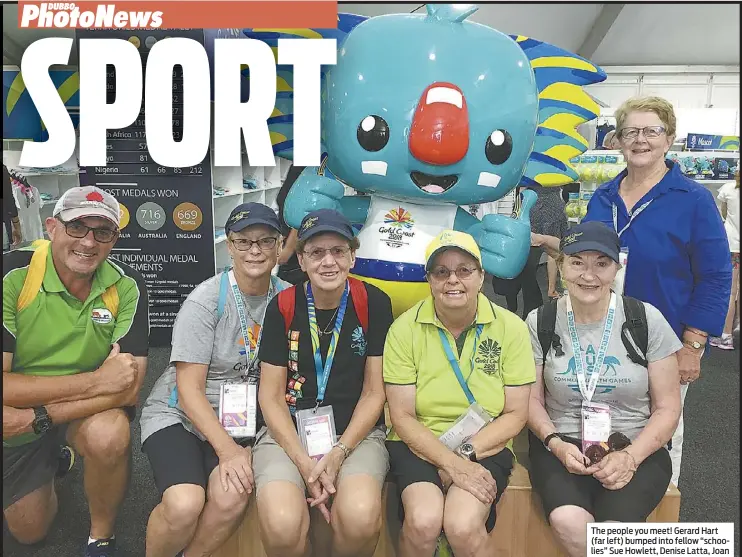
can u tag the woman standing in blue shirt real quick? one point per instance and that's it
(672, 237)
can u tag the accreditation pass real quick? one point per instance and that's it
(238, 409)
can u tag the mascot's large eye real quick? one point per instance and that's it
(373, 133)
(498, 147)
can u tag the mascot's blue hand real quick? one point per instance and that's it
(506, 242)
(309, 193)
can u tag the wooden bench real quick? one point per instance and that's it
(521, 529)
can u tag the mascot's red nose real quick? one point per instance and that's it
(440, 128)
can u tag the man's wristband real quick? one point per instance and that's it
(548, 439)
(697, 332)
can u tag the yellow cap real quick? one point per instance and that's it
(452, 239)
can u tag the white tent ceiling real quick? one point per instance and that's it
(608, 34)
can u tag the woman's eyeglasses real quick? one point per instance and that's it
(337, 252)
(442, 273)
(76, 229)
(243, 244)
(650, 132)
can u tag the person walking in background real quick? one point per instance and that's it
(547, 218)
(673, 242)
(729, 197)
(289, 268)
(10, 211)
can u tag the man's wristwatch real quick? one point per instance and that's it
(548, 439)
(42, 421)
(466, 450)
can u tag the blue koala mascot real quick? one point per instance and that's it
(425, 114)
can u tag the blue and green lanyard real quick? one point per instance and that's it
(323, 371)
(455, 362)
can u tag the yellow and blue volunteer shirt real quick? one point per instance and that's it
(57, 334)
(414, 355)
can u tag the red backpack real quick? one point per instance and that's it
(358, 293)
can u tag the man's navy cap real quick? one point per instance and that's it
(325, 220)
(591, 236)
(249, 214)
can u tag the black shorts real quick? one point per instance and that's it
(177, 457)
(633, 503)
(407, 468)
(28, 467)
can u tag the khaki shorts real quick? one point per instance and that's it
(271, 463)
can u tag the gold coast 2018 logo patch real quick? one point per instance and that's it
(399, 228)
(488, 356)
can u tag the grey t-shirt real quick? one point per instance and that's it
(623, 385)
(198, 338)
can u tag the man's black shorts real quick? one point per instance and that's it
(633, 503)
(407, 468)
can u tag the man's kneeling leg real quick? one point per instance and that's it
(29, 499)
(103, 440)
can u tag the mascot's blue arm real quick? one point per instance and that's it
(312, 191)
(464, 220)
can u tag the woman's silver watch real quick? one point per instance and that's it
(466, 450)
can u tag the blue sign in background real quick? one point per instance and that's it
(705, 142)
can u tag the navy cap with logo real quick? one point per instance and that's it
(249, 214)
(591, 236)
(325, 220)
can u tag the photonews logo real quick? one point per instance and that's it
(68, 15)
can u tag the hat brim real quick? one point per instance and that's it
(579, 247)
(73, 214)
(441, 249)
(240, 225)
(325, 228)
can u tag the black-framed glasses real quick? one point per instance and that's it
(77, 229)
(650, 132)
(442, 273)
(318, 254)
(243, 244)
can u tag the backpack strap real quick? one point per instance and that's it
(35, 278)
(635, 331)
(545, 326)
(359, 294)
(287, 304)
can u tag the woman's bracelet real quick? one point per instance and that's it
(633, 460)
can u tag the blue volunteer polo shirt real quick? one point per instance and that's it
(679, 258)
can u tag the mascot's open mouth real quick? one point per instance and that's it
(433, 184)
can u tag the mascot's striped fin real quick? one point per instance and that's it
(281, 122)
(563, 105)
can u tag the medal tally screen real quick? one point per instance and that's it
(231, 116)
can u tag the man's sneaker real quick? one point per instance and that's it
(724, 342)
(101, 548)
(66, 461)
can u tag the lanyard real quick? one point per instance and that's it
(455, 363)
(588, 390)
(323, 372)
(240, 302)
(631, 217)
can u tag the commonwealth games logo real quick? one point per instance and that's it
(400, 218)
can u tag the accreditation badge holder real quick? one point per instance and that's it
(465, 426)
(316, 428)
(596, 424)
(618, 282)
(238, 406)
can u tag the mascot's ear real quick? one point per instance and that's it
(451, 12)
(563, 105)
(281, 122)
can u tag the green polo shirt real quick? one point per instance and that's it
(414, 355)
(57, 334)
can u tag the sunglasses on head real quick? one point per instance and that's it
(616, 442)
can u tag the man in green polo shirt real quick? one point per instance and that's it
(458, 373)
(75, 343)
